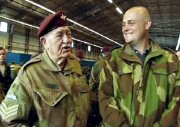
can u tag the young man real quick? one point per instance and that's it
(50, 86)
(5, 73)
(140, 84)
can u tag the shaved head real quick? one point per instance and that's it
(141, 11)
(136, 25)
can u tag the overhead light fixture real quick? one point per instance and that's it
(40, 6)
(72, 21)
(178, 43)
(23, 23)
(119, 10)
(36, 27)
(3, 26)
(94, 32)
(110, 1)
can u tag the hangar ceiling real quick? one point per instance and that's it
(100, 16)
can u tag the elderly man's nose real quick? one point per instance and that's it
(65, 38)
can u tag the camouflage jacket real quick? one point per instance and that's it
(46, 96)
(136, 94)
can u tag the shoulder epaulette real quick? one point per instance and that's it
(169, 49)
(31, 61)
(111, 50)
(116, 47)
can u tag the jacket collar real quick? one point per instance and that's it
(129, 54)
(70, 66)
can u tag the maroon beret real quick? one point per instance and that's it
(52, 22)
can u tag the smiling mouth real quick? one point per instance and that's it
(127, 33)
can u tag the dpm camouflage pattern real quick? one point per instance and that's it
(136, 94)
(44, 96)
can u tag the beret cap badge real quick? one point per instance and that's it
(63, 17)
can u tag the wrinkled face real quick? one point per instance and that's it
(2, 55)
(57, 43)
(133, 27)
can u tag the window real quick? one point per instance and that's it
(3, 26)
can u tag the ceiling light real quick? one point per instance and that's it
(40, 6)
(110, 1)
(119, 10)
(70, 20)
(23, 23)
(94, 32)
(36, 27)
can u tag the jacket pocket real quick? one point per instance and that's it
(160, 69)
(123, 83)
(50, 97)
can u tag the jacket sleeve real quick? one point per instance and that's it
(111, 113)
(170, 115)
(15, 108)
(94, 80)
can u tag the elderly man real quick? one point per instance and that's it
(140, 84)
(50, 86)
(5, 73)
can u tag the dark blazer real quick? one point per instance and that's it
(6, 81)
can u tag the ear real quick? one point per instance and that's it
(43, 40)
(148, 24)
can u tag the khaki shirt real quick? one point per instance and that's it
(58, 98)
